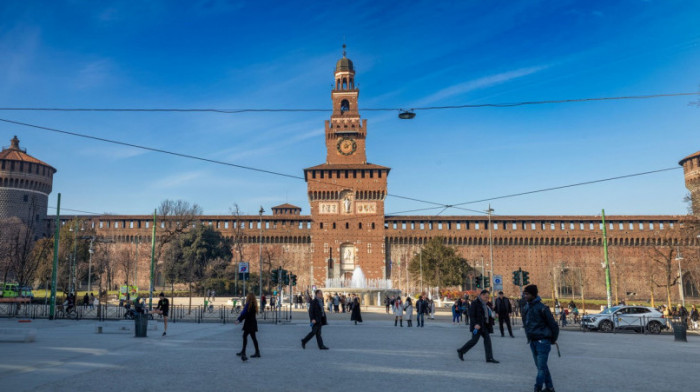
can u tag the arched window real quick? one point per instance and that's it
(345, 83)
(344, 106)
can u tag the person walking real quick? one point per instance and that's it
(421, 307)
(250, 326)
(542, 331)
(86, 300)
(336, 303)
(479, 326)
(408, 308)
(503, 310)
(432, 309)
(92, 301)
(356, 316)
(163, 308)
(263, 303)
(318, 319)
(398, 311)
(455, 313)
(387, 303)
(694, 316)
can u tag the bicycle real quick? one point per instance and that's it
(71, 313)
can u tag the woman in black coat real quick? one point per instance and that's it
(250, 325)
(356, 316)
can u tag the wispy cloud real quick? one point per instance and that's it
(484, 82)
(178, 179)
(112, 152)
(94, 73)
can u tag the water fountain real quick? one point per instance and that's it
(370, 291)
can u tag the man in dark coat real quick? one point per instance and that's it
(503, 310)
(479, 325)
(356, 316)
(421, 310)
(318, 319)
(542, 331)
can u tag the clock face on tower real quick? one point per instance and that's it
(347, 146)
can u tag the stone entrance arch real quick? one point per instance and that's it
(347, 260)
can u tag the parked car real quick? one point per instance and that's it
(635, 318)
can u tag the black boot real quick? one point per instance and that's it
(256, 355)
(243, 357)
(401, 321)
(239, 353)
(396, 322)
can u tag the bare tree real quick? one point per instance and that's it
(237, 240)
(21, 257)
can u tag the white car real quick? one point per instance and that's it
(636, 318)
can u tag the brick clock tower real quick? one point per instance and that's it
(346, 193)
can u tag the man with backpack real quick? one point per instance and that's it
(542, 331)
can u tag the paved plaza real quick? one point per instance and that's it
(375, 356)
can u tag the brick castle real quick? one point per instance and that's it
(348, 228)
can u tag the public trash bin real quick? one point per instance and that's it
(140, 325)
(679, 331)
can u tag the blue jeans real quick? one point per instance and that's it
(540, 353)
(420, 319)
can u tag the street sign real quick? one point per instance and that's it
(497, 283)
(243, 267)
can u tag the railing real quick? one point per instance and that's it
(178, 313)
(384, 284)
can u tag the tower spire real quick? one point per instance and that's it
(344, 46)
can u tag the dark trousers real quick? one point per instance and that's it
(245, 341)
(505, 319)
(420, 319)
(540, 353)
(475, 339)
(315, 330)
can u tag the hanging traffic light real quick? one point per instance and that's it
(526, 278)
(275, 276)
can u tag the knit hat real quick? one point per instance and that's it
(531, 289)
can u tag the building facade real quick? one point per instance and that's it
(25, 184)
(347, 228)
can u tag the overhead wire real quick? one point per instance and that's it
(326, 110)
(440, 205)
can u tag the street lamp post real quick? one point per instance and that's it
(71, 272)
(681, 292)
(420, 257)
(260, 250)
(490, 210)
(91, 251)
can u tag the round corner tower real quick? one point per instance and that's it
(25, 185)
(691, 170)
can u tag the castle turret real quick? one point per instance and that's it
(691, 170)
(25, 184)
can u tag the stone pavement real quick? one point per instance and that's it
(376, 356)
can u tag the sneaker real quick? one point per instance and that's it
(492, 361)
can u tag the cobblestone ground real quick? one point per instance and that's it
(375, 356)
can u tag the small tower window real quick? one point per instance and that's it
(344, 106)
(345, 84)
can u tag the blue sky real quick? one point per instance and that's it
(228, 54)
